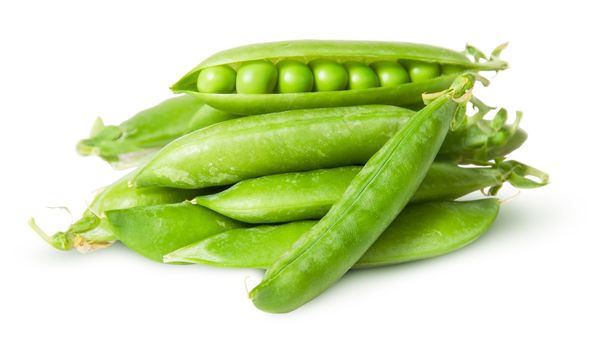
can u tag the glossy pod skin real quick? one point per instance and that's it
(309, 195)
(420, 231)
(128, 143)
(341, 52)
(154, 231)
(376, 195)
(92, 231)
(291, 141)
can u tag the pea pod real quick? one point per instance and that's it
(420, 231)
(420, 60)
(371, 202)
(298, 140)
(92, 231)
(309, 195)
(128, 143)
(154, 231)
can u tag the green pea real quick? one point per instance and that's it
(217, 80)
(390, 73)
(361, 76)
(450, 69)
(423, 71)
(294, 76)
(257, 77)
(329, 75)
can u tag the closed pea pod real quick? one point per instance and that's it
(154, 231)
(92, 231)
(140, 136)
(339, 52)
(291, 141)
(309, 195)
(420, 231)
(369, 205)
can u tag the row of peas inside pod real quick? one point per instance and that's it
(291, 76)
(271, 77)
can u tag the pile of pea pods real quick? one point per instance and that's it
(307, 159)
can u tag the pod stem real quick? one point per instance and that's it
(519, 175)
(100, 137)
(492, 133)
(491, 63)
(482, 110)
(525, 176)
(461, 91)
(67, 240)
(61, 240)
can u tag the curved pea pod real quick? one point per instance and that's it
(374, 198)
(92, 231)
(342, 52)
(309, 195)
(420, 231)
(154, 231)
(130, 142)
(297, 140)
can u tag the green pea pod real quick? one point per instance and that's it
(92, 231)
(291, 141)
(340, 52)
(154, 231)
(309, 195)
(420, 231)
(371, 202)
(128, 143)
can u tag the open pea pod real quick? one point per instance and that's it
(278, 76)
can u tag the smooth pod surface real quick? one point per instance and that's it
(371, 202)
(289, 141)
(309, 195)
(154, 231)
(420, 231)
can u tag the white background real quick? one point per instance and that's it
(523, 285)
